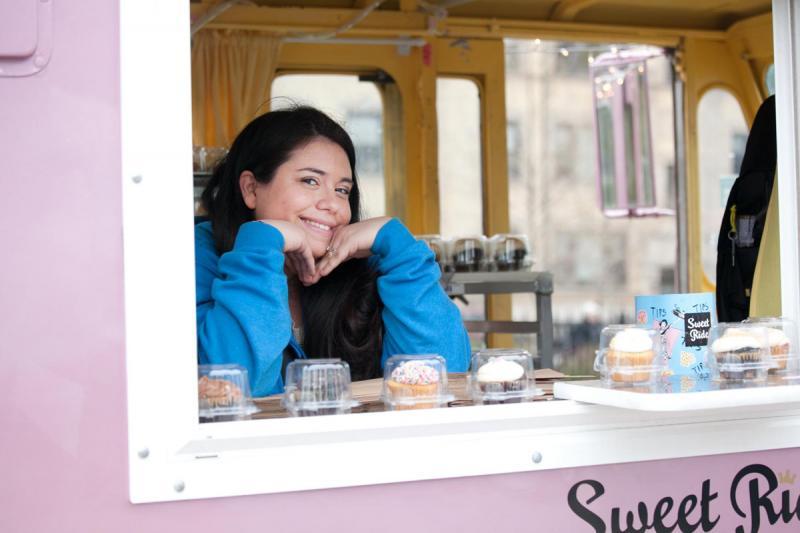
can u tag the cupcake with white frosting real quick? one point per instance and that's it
(630, 354)
(502, 376)
(740, 352)
(779, 347)
(781, 341)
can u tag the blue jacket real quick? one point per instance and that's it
(243, 302)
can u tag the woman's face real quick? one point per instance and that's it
(311, 189)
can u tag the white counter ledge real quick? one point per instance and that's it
(261, 456)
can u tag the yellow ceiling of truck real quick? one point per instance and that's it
(689, 14)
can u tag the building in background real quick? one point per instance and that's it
(599, 263)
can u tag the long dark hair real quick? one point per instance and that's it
(341, 312)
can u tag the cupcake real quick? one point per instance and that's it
(509, 252)
(467, 254)
(412, 380)
(738, 355)
(779, 347)
(780, 340)
(223, 393)
(214, 393)
(318, 387)
(629, 358)
(499, 376)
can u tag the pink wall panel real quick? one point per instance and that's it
(64, 464)
(61, 293)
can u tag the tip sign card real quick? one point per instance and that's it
(683, 322)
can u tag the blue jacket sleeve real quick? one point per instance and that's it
(418, 316)
(242, 304)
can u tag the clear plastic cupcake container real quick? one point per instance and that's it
(438, 246)
(199, 158)
(738, 353)
(782, 344)
(629, 356)
(509, 252)
(415, 382)
(318, 387)
(468, 254)
(206, 158)
(223, 391)
(501, 375)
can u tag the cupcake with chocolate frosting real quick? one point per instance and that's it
(509, 252)
(468, 254)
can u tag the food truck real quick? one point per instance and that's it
(604, 135)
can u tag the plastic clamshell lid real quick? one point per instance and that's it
(501, 375)
(509, 251)
(782, 344)
(468, 252)
(318, 387)
(224, 391)
(739, 351)
(415, 382)
(206, 158)
(629, 355)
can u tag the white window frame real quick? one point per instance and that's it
(786, 46)
(173, 457)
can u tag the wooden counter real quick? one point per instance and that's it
(368, 393)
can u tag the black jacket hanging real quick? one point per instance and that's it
(745, 214)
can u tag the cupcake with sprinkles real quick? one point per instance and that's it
(415, 382)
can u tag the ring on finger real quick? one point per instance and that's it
(330, 250)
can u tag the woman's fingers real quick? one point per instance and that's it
(322, 267)
(291, 263)
(339, 251)
(308, 266)
(302, 268)
(296, 266)
(352, 240)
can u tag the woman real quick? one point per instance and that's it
(285, 268)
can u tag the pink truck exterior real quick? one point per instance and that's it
(63, 449)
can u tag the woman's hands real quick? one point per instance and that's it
(352, 240)
(296, 250)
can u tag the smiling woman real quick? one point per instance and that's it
(285, 269)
